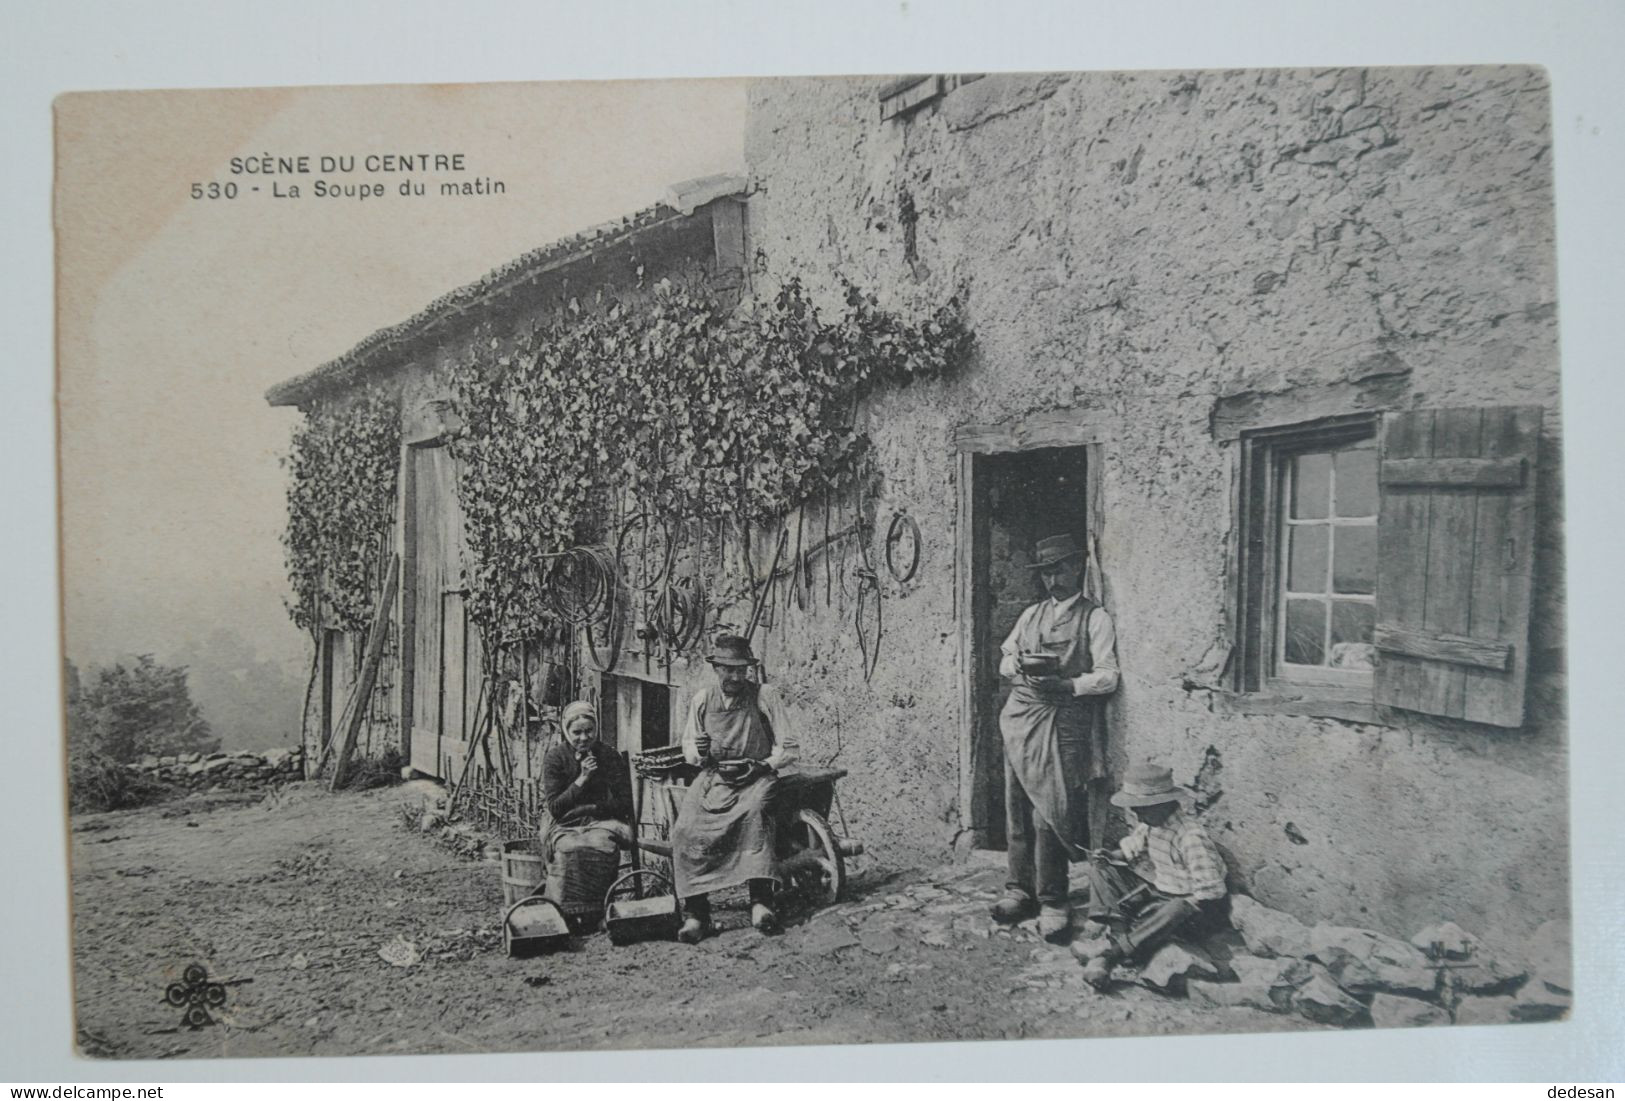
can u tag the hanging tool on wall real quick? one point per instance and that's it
(764, 589)
(903, 546)
(827, 573)
(678, 616)
(867, 619)
(798, 586)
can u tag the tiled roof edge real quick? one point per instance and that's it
(557, 254)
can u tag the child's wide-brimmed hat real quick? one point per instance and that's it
(1148, 785)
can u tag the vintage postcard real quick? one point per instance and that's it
(825, 560)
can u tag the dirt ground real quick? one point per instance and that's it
(288, 898)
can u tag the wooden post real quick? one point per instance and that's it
(524, 701)
(369, 673)
(339, 723)
(304, 715)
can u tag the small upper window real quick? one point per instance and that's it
(905, 95)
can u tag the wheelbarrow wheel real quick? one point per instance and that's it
(820, 871)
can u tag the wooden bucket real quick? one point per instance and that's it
(522, 870)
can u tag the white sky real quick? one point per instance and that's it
(177, 314)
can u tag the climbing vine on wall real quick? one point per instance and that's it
(341, 499)
(691, 408)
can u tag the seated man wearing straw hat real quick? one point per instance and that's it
(739, 735)
(1062, 657)
(1170, 876)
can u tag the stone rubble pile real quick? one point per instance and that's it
(1333, 975)
(1344, 976)
(241, 771)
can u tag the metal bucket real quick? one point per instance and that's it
(522, 870)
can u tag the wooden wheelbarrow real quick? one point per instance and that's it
(811, 856)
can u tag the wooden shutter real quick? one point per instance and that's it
(1455, 544)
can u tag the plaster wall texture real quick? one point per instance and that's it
(1139, 247)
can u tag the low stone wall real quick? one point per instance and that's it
(241, 771)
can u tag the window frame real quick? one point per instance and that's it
(1285, 680)
(1258, 563)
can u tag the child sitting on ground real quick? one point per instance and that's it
(1170, 875)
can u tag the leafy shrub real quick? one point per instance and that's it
(128, 711)
(96, 782)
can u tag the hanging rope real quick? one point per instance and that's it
(582, 585)
(650, 568)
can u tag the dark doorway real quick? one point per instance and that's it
(656, 716)
(609, 711)
(1017, 498)
(636, 712)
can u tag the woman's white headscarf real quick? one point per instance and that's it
(579, 709)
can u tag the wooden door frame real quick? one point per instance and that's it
(407, 599)
(1090, 429)
(406, 611)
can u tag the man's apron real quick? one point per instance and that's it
(1055, 747)
(724, 836)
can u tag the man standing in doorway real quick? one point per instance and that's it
(1062, 656)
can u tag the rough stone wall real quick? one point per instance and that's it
(1145, 245)
(225, 771)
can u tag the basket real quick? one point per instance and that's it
(579, 875)
(662, 763)
(531, 926)
(631, 915)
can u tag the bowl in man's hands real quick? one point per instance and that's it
(735, 769)
(1040, 665)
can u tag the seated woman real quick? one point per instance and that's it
(586, 787)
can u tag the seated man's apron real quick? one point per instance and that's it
(724, 836)
(1054, 746)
